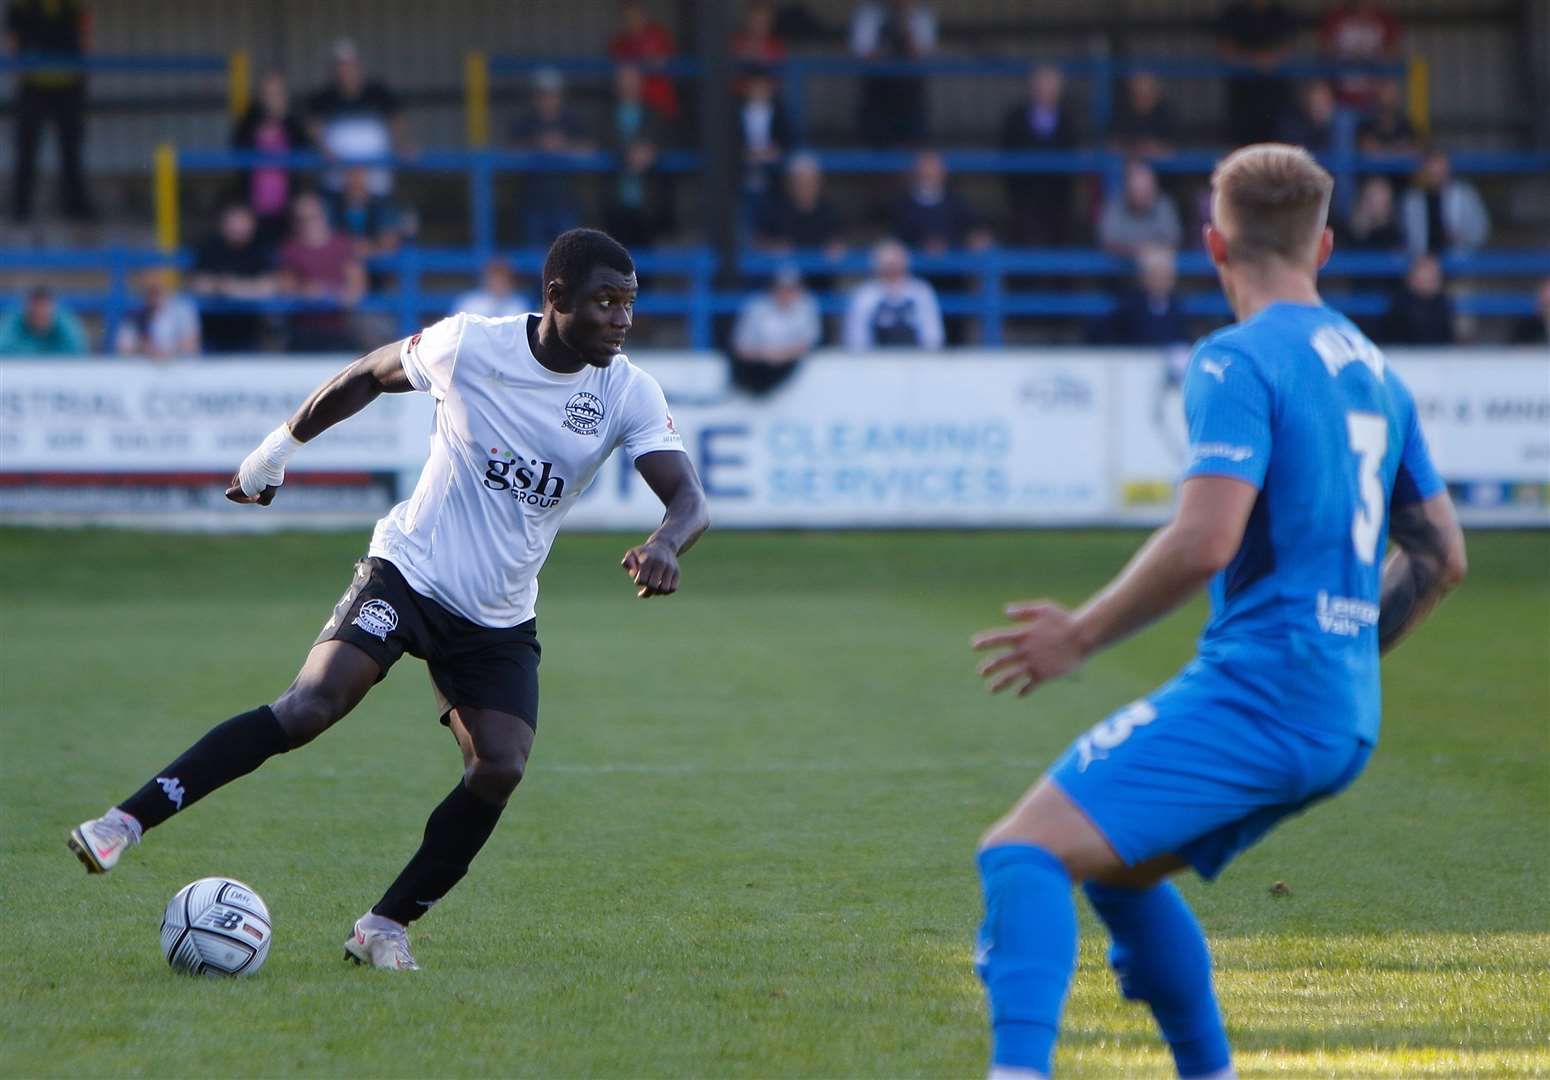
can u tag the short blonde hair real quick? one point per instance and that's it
(1270, 199)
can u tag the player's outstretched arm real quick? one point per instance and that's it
(1427, 563)
(653, 565)
(261, 473)
(1174, 564)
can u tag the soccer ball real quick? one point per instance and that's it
(215, 926)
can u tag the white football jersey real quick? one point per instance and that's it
(514, 446)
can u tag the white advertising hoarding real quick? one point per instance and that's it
(1485, 413)
(965, 439)
(117, 416)
(960, 439)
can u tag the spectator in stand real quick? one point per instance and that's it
(373, 222)
(1372, 225)
(1359, 32)
(41, 327)
(774, 330)
(497, 296)
(634, 213)
(270, 126)
(1256, 36)
(1420, 312)
(802, 218)
(233, 266)
(892, 309)
(894, 109)
(756, 43)
(57, 97)
(549, 127)
(1142, 216)
(1040, 205)
(1144, 124)
(1441, 213)
(764, 135)
(1312, 125)
(1386, 129)
(642, 42)
(320, 265)
(355, 117)
(1148, 311)
(165, 325)
(930, 218)
(1535, 329)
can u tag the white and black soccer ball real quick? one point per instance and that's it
(215, 926)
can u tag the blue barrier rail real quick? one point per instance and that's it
(129, 64)
(483, 166)
(696, 300)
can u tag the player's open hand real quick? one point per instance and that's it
(653, 566)
(1045, 644)
(235, 493)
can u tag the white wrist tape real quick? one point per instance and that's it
(265, 467)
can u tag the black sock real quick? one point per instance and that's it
(226, 752)
(457, 829)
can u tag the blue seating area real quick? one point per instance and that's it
(683, 284)
(696, 285)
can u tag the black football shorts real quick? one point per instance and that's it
(471, 666)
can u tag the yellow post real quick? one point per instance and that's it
(239, 83)
(476, 98)
(1419, 95)
(165, 172)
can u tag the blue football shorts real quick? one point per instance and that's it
(1191, 771)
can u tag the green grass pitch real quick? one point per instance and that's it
(744, 845)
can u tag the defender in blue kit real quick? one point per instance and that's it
(1306, 458)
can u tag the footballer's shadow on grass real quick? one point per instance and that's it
(1295, 1041)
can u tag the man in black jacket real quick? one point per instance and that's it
(1040, 204)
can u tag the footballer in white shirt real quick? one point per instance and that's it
(528, 408)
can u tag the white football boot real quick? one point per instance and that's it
(379, 947)
(100, 842)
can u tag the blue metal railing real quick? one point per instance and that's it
(483, 166)
(135, 64)
(697, 301)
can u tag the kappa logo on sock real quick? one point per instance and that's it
(377, 617)
(174, 789)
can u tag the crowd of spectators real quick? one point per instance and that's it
(313, 240)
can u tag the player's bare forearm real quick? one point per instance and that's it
(653, 565)
(684, 522)
(380, 371)
(1175, 564)
(1049, 641)
(1170, 568)
(1428, 562)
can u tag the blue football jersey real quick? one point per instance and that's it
(1297, 402)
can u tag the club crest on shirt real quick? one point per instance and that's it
(583, 413)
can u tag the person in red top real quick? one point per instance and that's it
(1359, 32)
(320, 265)
(756, 43)
(642, 41)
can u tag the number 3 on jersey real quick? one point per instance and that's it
(1369, 441)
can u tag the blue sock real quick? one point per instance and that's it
(1026, 951)
(1160, 956)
